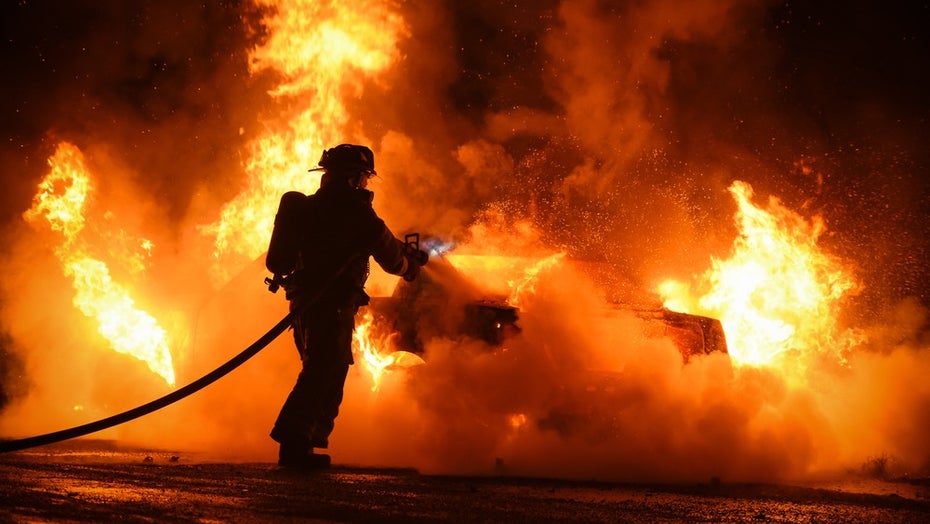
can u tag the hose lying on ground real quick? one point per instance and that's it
(145, 409)
(190, 389)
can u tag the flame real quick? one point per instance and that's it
(61, 200)
(321, 54)
(520, 275)
(376, 362)
(513, 276)
(777, 294)
(526, 284)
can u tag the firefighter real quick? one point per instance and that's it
(332, 234)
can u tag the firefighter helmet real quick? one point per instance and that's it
(349, 159)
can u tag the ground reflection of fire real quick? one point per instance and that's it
(779, 296)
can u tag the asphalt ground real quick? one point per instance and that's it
(99, 481)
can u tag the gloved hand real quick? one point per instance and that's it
(416, 258)
(413, 269)
(419, 257)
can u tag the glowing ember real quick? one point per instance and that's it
(778, 292)
(517, 421)
(61, 202)
(321, 52)
(374, 361)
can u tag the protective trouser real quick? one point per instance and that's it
(323, 336)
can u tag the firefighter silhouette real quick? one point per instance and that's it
(320, 250)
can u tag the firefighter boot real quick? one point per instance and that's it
(301, 457)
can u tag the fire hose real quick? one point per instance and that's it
(190, 389)
(145, 409)
(412, 246)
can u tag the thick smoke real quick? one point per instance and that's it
(606, 132)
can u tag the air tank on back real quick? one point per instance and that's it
(285, 237)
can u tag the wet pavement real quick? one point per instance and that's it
(97, 481)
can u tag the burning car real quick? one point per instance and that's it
(453, 298)
(444, 302)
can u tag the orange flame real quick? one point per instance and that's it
(520, 275)
(321, 53)
(777, 294)
(514, 277)
(376, 362)
(61, 201)
(526, 283)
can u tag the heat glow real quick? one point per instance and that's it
(778, 294)
(514, 277)
(62, 202)
(512, 131)
(319, 54)
(377, 361)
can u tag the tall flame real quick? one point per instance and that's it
(778, 293)
(521, 275)
(61, 200)
(321, 53)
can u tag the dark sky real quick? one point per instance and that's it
(135, 74)
(164, 81)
